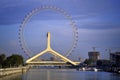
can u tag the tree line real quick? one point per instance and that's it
(14, 60)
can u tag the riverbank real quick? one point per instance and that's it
(105, 69)
(9, 71)
(62, 74)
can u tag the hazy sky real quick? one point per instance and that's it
(98, 23)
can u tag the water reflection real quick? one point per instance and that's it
(62, 74)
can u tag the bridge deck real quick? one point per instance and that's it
(48, 63)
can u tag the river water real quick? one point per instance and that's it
(62, 74)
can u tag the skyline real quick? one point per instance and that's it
(98, 23)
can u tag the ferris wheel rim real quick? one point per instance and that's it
(22, 43)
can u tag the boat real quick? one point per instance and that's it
(95, 69)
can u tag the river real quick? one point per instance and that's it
(62, 74)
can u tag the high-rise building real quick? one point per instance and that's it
(115, 58)
(94, 56)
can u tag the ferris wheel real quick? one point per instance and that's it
(23, 43)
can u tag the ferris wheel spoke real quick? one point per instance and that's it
(21, 38)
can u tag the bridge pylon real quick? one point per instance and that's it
(51, 51)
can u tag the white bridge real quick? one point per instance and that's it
(64, 61)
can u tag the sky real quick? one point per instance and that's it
(97, 22)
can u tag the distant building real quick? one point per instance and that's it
(115, 58)
(103, 63)
(52, 58)
(94, 56)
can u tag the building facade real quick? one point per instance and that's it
(115, 58)
(94, 56)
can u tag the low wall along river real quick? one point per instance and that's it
(8, 71)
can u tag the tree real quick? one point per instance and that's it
(88, 61)
(2, 59)
(14, 60)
